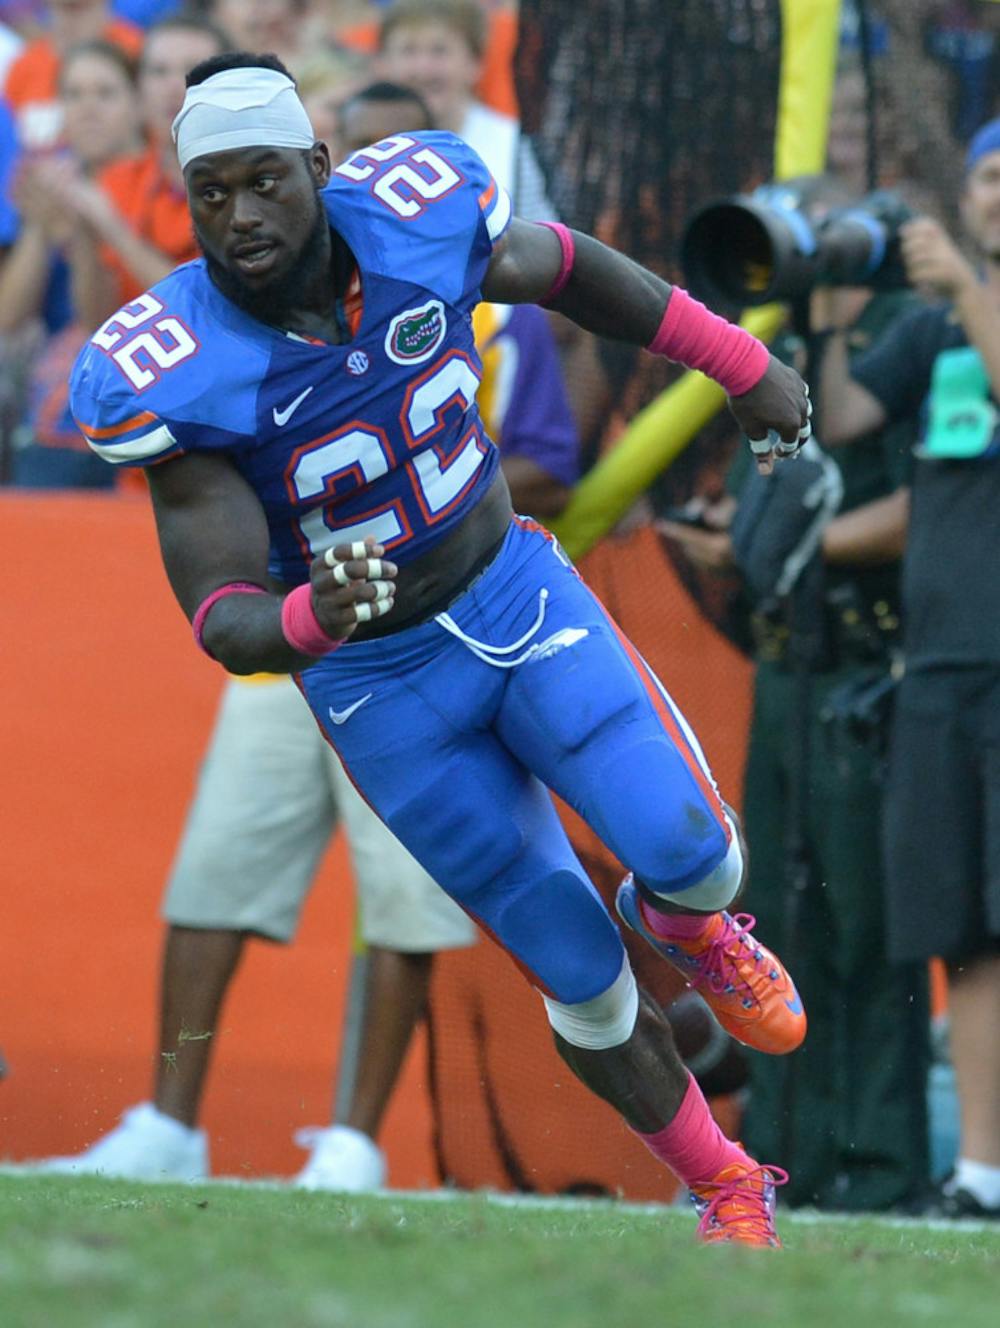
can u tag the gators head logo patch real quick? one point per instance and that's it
(415, 334)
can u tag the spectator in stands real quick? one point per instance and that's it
(32, 84)
(325, 85)
(268, 800)
(354, 25)
(266, 25)
(98, 99)
(942, 833)
(134, 222)
(437, 47)
(379, 109)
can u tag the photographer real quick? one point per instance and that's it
(942, 833)
(850, 1106)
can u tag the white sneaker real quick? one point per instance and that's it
(342, 1159)
(146, 1145)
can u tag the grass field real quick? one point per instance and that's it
(107, 1254)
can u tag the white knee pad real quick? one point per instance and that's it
(604, 1021)
(719, 888)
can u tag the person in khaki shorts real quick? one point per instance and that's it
(271, 792)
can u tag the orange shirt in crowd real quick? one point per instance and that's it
(32, 86)
(154, 208)
(496, 83)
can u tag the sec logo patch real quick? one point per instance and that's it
(357, 362)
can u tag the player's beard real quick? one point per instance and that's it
(285, 291)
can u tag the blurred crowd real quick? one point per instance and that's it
(92, 207)
(92, 211)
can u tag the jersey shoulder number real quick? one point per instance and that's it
(144, 381)
(421, 202)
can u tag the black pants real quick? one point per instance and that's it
(847, 1113)
(942, 825)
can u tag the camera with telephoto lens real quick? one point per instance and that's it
(770, 245)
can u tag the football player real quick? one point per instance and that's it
(329, 506)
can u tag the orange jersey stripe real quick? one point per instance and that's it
(113, 430)
(488, 194)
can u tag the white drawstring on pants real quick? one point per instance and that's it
(487, 653)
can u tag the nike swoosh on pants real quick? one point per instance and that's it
(342, 716)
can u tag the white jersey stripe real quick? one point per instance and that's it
(147, 447)
(496, 222)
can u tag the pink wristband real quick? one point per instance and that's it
(203, 609)
(568, 246)
(301, 626)
(693, 336)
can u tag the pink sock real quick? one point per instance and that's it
(692, 1145)
(687, 926)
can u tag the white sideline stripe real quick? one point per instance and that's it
(805, 1217)
(157, 440)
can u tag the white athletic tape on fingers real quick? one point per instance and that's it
(373, 569)
(381, 606)
(363, 611)
(359, 549)
(783, 449)
(383, 590)
(340, 574)
(761, 446)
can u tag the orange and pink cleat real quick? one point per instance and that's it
(737, 1206)
(746, 986)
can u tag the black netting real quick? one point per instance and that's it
(638, 112)
(932, 73)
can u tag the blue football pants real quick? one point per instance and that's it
(453, 729)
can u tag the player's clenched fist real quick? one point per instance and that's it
(774, 415)
(352, 584)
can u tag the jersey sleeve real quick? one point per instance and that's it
(111, 419)
(426, 203)
(145, 386)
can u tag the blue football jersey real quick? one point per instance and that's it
(379, 436)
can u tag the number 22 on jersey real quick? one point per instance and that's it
(144, 357)
(359, 453)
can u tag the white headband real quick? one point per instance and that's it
(241, 108)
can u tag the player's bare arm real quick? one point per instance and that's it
(213, 534)
(608, 294)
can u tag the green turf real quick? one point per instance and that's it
(82, 1252)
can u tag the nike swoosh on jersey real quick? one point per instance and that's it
(342, 716)
(283, 416)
